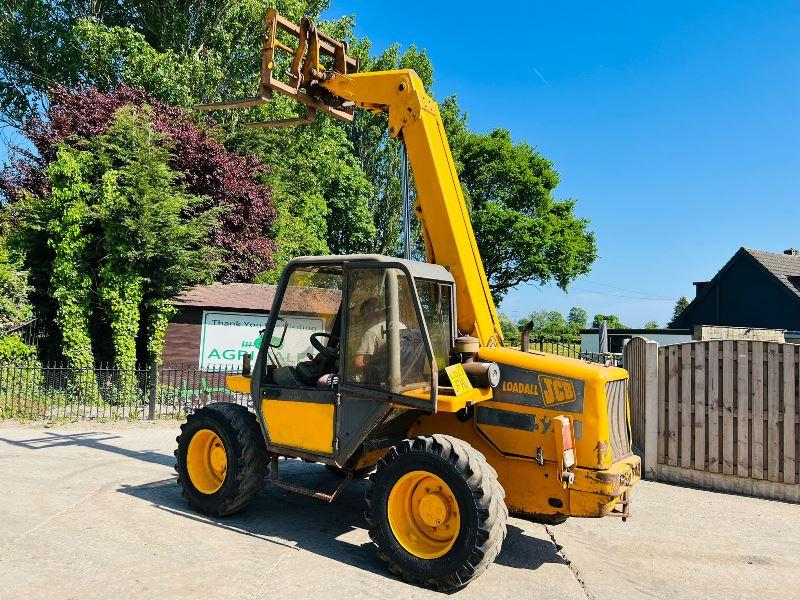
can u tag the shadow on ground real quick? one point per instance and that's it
(96, 440)
(287, 519)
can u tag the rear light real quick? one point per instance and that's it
(565, 451)
(567, 444)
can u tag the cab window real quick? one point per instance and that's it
(385, 345)
(310, 305)
(435, 302)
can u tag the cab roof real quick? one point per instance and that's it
(415, 268)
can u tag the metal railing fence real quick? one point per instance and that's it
(30, 389)
(572, 349)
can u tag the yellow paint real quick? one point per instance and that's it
(458, 378)
(447, 229)
(593, 449)
(528, 486)
(450, 241)
(556, 390)
(595, 493)
(206, 461)
(518, 441)
(424, 514)
(238, 383)
(370, 459)
(452, 403)
(302, 425)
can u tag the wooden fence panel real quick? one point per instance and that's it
(729, 416)
(662, 404)
(633, 361)
(727, 407)
(789, 412)
(757, 392)
(686, 406)
(699, 430)
(713, 407)
(742, 409)
(773, 404)
(672, 433)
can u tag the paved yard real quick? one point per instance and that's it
(92, 511)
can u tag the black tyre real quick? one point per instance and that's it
(436, 511)
(221, 458)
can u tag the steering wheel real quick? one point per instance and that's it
(326, 351)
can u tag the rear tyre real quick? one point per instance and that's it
(436, 511)
(221, 459)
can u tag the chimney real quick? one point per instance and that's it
(792, 252)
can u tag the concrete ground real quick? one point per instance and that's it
(92, 511)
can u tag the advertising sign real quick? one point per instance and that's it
(227, 336)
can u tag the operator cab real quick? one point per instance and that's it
(375, 326)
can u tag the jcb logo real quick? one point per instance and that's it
(556, 390)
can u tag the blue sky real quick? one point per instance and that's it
(676, 125)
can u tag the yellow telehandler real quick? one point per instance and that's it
(408, 378)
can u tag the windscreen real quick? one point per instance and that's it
(385, 347)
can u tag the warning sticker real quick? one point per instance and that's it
(458, 379)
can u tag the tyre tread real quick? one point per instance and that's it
(486, 490)
(250, 457)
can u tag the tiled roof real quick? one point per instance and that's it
(784, 267)
(258, 298)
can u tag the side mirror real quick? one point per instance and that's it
(277, 342)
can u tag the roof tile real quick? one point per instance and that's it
(258, 298)
(784, 267)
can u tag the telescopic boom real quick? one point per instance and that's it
(323, 77)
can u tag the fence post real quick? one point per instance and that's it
(640, 358)
(651, 409)
(151, 409)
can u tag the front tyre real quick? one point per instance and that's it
(221, 458)
(436, 511)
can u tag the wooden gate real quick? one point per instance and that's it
(727, 414)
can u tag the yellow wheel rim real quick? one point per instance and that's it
(206, 461)
(424, 514)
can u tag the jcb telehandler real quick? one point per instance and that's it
(408, 377)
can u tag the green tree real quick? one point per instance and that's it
(651, 325)
(337, 187)
(378, 154)
(101, 231)
(680, 306)
(180, 52)
(577, 319)
(523, 233)
(511, 332)
(15, 306)
(548, 324)
(12, 348)
(612, 321)
(320, 193)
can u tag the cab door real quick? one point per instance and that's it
(298, 392)
(386, 354)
